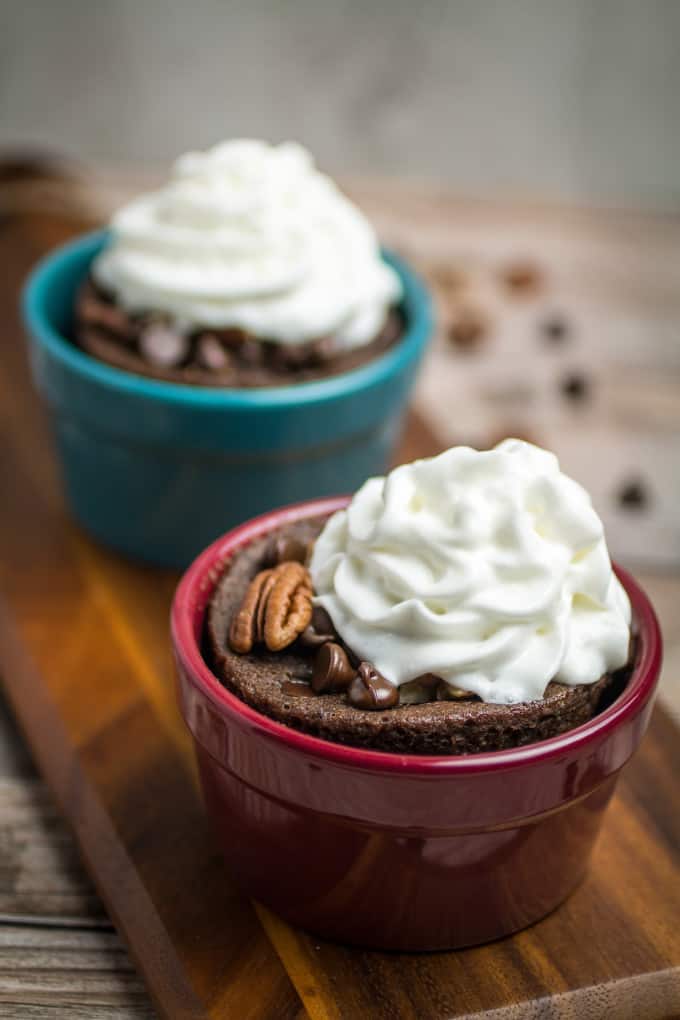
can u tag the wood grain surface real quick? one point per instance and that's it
(86, 666)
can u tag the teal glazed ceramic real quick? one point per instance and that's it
(158, 470)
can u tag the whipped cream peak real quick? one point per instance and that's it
(252, 236)
(489, 569)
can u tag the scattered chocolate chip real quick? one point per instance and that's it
(468, 327)
(319, 631)
(555, 329)
(633, 495)
(522, 277)
(160, 345)
(321, 620)
(419, 690)
(370, 690)
(446, 692)
(332, 669)
(285, 548)
(575, 386)
(211, 354)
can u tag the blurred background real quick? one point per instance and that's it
(575, 101)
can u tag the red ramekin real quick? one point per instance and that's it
(398, 851)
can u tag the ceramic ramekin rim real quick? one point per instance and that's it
(419, 325)
(201, 576)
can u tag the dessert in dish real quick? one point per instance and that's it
(464, 603)
(248, 268)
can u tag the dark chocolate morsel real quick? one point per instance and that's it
(370, 690)
(162, 346)
(445, 692)
(575, 386)
(332, 669)
(284, 549)
(319, 631)
(419, 690)
(633, 495)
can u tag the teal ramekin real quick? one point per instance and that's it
(158, 470)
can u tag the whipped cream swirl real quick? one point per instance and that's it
(488, 569)
(251, 235)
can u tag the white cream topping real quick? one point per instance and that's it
(251, 235)
(488, 569)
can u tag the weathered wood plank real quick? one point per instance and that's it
(41, 872)
(41, 967)
(139, 822)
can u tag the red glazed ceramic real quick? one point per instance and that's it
(393, 851)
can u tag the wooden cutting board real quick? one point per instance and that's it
(86, 664)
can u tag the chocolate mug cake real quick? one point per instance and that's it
(464, 603)
(249, 268)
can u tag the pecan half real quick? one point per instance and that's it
(276, 608)
(243, 632)
(289, 606)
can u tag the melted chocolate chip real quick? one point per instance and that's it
(445, 692)
(285, 549)
(319, 631)
(295, 688)
(162, 346)
(419, 690)
(370, 690)
(332, 669)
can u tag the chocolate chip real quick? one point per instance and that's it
(447, 692)
(633, 495)
(575, 386)
(419, 690)
(321, 620)
(319, 631)
(468, 327)
(285, 548)
(555, 329)
(370, 690)
(211, 354)
(160, 345)
(522, 277)
(332, 669)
